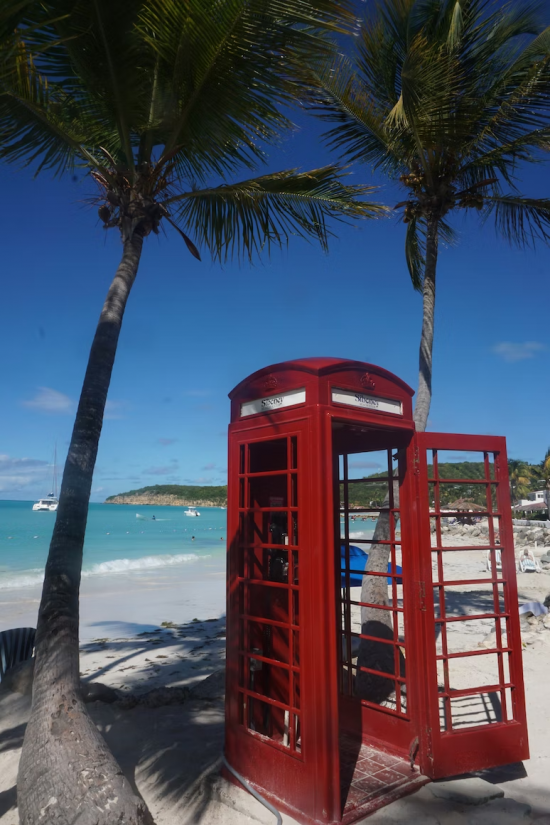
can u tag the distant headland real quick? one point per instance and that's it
(176, 495)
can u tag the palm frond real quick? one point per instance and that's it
(338, 95)
(240, 220)
(209, 51)
(520, 220)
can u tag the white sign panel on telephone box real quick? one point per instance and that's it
(371, 402)
(273, 402)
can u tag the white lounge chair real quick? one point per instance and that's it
(498, 560)
(527, 563)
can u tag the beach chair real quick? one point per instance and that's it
(16, 646)
(498, 560)
(527, 563)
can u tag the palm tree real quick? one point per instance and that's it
(446, 98)
(544, 474)
(520, 477)
(161, 103)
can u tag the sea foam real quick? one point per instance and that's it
(30, 578)
(145, 563)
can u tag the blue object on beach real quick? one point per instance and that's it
(357, 561)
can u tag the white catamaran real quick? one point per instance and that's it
(50, 502)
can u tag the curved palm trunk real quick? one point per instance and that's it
(377, 655)
(424, 394)
(67, 775)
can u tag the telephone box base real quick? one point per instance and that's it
(371, 779)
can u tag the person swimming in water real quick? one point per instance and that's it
(154, 518)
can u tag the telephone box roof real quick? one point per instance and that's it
(320, 366)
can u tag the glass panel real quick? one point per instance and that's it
(297, 691)
(294, 453)
(268, 491)
(294, 490)
(269, 602)
(269, 680)
(266, 456)
(269, 721)
(269, 640)
(296, 647)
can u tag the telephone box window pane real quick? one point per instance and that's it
(271, 640)
(295, 573)
(241, 553)
(268, 491)
(294, 490)
(297, 691)
(275, 528)
(269, 565)
(278, 566)
(296, 647)
(294, 536)
(269, 681)
(294, 453)
(295, 607)
(241, 492)
(269, 721)
(266, 456)
(241, 459)
(269, 602)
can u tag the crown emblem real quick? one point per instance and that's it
(367, 382)
(270, 383)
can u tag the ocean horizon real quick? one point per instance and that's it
(120, 538)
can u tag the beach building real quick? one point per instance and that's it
(534, 503)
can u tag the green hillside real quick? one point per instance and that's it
(362, 493)
(215, 495)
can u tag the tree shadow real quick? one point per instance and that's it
(8, 800)
(184, 642)
(12, 738)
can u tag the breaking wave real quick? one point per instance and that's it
(30, 578)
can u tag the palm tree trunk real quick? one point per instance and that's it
(377, 655)
(424, 394)
(67, 774)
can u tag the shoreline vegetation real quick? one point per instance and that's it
(175, 495)
(364, 495)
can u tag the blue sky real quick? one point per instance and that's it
(193, 330)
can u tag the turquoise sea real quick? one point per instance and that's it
(119, 538)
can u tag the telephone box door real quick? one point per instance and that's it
(475, 699)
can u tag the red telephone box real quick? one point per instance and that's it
(369, 648)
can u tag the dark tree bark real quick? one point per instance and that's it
(67, 775)
(376, 655)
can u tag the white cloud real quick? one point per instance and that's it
(50, 401)
(512, 352)
(19, 474)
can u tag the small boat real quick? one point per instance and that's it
(191, 511)
(51, 502)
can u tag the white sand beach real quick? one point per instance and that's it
(172, 752)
